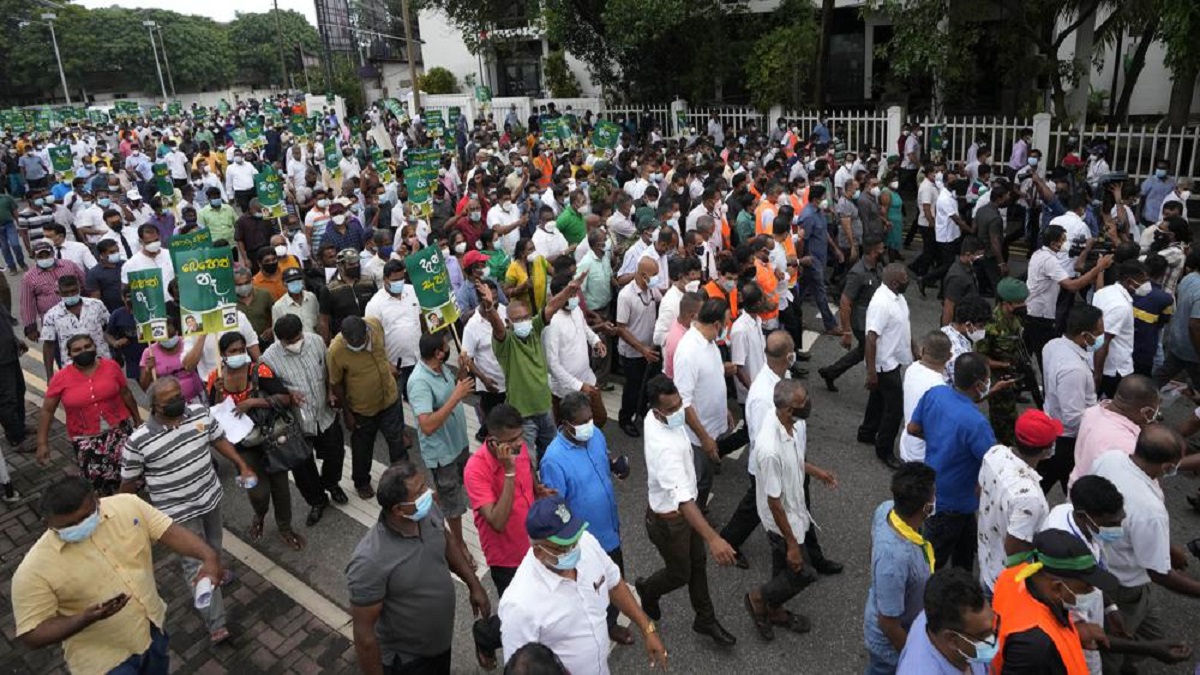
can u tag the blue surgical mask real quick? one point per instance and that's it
(1110, 534)
(104, 202)
(45, 263)
(170, 342)
(385, 252)
(984, 651)
(423, 503)
(572, 304)
(1032, 161)
(71, 300)
(583, 432)
(567, 561)
(676, 419)
(1095, 346)
(1160, 173)
(115, 258)
(295, 286)
(215, 203)
(80, 531)
(396, 287)
(237, 360)
(653, 282)
(523, 328)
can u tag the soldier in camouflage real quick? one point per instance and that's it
(1002, 344)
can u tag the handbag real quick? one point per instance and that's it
(286, 447)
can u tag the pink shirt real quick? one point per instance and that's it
(673, 337)
(166, 363)
(484, 480)
(1101, 430)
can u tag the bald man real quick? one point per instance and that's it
(637, 309)
(888, 349)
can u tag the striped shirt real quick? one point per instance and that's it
(176, 463)
(39, 289)
(305, 373)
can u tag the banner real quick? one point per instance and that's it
(606, 134)
(200, 114)
(435, 126)
(269, 187)
(42, 120)
(381, 164)
(331, 157)
(207, 301)
(681, 123)
(97, 116)
(420, 178)
(453, 114)
(393, 106)
(558, 131)
(149, 304)
(298, 127)
(483, 93)
(162, 181)
(62, 162)
(240, 139)
(126, 109)
(175, 108)
(223, 106)
(13, 120)
(201, 238)
(431, 282)
(254, 132)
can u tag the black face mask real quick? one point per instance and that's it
(174, 408)
(352, 273)
(1021, 312)
(85, 359)
(901, 288)
(270, 268)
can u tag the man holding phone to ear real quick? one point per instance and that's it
(76, 583)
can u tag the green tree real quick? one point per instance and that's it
(1180, 24)
(258, 34)
(438, 80)
(772, 74)
(561, 81)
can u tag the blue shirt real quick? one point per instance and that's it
(1154, 190)
(822, 133)
(816, 232)
(920, 657)
(1150, 313)
(1187, 307)
(121, 324)
(581, 476)
(957, 436)
(428, 392)
(899, 571)
(1051, 210)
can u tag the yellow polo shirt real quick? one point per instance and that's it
(370, 386)
(61, 579)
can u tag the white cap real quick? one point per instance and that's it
(133, 195)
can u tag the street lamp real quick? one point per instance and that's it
(49, 18)
(150, 25)
(166, 61)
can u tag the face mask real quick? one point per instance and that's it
(236, 361)
(1185, 195)
(170, 342)
(902, 288)
(45, 263)
(80, 531)
(474, 216)
(104, 202)
(174, 408)
(322, 203)
(1032, 161)
(1160, 173)
(583, 432)
(295, 287)
(676, 419)
(396, 287)
(1110, 534)
(1095, 346)
(824, 204)
(567, 561)
(84, 359)
(244, 289)
(423, 503)
(977, 334)
(984, 651)
(238, 160)
(653, 282)
(1174, 470)
(215, 203)
(875, 192)
(572, 304)
(71, 300)
(460, 248)
(339, 219)
(692, 286)
(1143, 290)
(152, 247)
(523, 328)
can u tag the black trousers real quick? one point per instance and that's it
(953, 537)
(330, 446)
(928, 257)
(242, 198)
(12, 401)
(785, 584)
(633, 401)
(422, 665)
(389, 422)
(618, 558)
(745, 519)
(885, 412)
(1108, 385)
(1038, 332)
(487, 401)
(851, 358)
(947, 252)
(501, 578)
(1058, 468)
(684, 559)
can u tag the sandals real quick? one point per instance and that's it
(761, 624)
(293, 539)
(256, 529)
(796, 623)
(486, 659)
(218, 636)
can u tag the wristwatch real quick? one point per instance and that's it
(650, 628)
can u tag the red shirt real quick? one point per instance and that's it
(484, 480)
(87, 398)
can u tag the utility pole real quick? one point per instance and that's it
(49, 19)
(282, 61)
(412, 61)
(166, 61)
(150, 27)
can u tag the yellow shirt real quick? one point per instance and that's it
(60, 579)
(368, 381)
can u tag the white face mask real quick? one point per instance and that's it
(692, 286)
(977, 334)
(1143, 290)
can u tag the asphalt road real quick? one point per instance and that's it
(835, 604)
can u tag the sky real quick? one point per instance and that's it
(220, 10)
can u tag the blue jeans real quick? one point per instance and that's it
(10, 245)
(812, 280)
(154, 661)
(539, 432)
(879, 664)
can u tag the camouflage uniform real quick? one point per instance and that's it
(1001, 343)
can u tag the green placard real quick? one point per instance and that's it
(681, 123)
(127, 109)
(42, 120)
(62, 161)
(356, 125)
(558, 131)
(483, 93)
(435, 125)
(162, 180)
(331, 157)
(207, 302)
(381, 164)
(240, 139)
(393, 106)
(431, 282)
(606, 134)
(14, 120)
(189, 242)
(269, 188)
(97, 116)
(298, 127)
(175, 108)
(223, 106)
(155, 113)
(149, 304)
(254, 131)
(420, 176)
(200, 114)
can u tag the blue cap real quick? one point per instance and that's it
(550, 519)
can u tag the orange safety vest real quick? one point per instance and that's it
(1018, 611)
(714, 290)
(767, 282)
(546, 166)
(763, 207)
(789, 249)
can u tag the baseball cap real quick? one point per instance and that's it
(292, 274)
(474, 258)
(1036, 429)
(549, 518)
(133, 195)
(1064, 555)
(347, 255)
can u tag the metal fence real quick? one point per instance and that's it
(998, 133)
(1136, 148)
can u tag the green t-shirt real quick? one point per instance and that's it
(218, 221)
(8, 208)
(571, 224)
(524, 366)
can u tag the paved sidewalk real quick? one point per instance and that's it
(271, 632)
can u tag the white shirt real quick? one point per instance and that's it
(568, 616)
(760, 403)
(918, 379)
(1069, 384)
(240, 177)
(620, 224)
(141, 216)
(747, 348)
(1089, 607)
(1044, 274)
(668, 310)
(635, 311)
(77, 253)
(1011, 502)
(567, 341)
(670, 467)
(548, 242)
(306, 310)
(927, 193)
(887, 318)
(477, 344)
(841, 177)
(700, 378)
(401, 322)
(177, 164)
(349, 168)
(636, 187)
(498, 217)
(140, 261)
(1117, 306)
(945, 229)
(911, 147)
(779, 472)
(92, 217)
(1147, 541)
(1077, 233)
(210, 357)
(632, 256)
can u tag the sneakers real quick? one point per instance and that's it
(10, 496)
